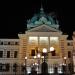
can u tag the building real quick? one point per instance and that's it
(43, 33)
(74, 49)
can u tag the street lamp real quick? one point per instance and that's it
(38, 56)
(51, 49)
(44, 53)
(35, 57)
(25, 65)
(42, 57)
(65, 64)
(65, 60)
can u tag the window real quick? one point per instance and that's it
(69, 54)
(5, 42)
(0, 67)
(1, 43)
(1, 54)
(33, 52)
(8, 54)
(53, 53)
(43, 40)
(33, 40)
(11, 43)
(8, 43)
(7, 67)
(68, 44)
(4, 67)
(15, 54)
(16, 43)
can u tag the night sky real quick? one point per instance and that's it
(14, 15)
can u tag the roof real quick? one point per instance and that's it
(42, 18)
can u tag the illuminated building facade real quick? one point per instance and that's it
(74, 49)
(43, 32)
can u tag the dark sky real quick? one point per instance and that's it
(14, 15)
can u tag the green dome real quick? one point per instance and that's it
(40, 19)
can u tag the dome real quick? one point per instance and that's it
(40, 19)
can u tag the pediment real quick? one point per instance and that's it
(43, 28)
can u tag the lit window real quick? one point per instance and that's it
(53, 40)
(33, 39)
(43, 40)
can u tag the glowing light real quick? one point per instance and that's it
(38, 55)
(43, 39)
(33, 39)
(51, 49)
(33, 64)
(42, 57)
(34, 57)
(65, 58)
(60, 70)
(36, 64)
(54, 38)
(24, 64)
(25, 57)
(44, 50)
(51, 70)
(64, 64)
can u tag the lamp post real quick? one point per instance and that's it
(44, 64)
(42, 57)
(25, 65)
(44, 53)
(65, 60)
(25, 60)
(65, 64)
(38, 56)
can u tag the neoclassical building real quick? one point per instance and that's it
(42, 34)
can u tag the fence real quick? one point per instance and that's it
(52, 69)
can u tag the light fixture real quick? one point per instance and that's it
(42, 57)
(34, 57)
(65, 58)
(44, 50)
(51, 49)
(38, 55)
(25, 57)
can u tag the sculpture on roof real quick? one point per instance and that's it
(42, 18)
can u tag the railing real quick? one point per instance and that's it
(52, 69)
